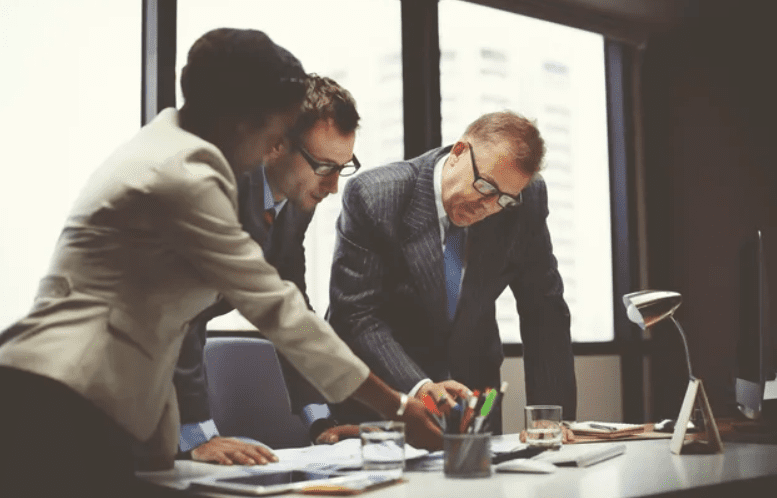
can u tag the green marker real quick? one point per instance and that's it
(488, 404)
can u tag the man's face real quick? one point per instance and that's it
(462, 202)
(253, 145)
(291, 176)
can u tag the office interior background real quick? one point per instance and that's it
(658, 117)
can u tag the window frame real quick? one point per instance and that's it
(422, 131)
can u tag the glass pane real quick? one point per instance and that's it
(71, 94)
(356, 42)
(493, 60)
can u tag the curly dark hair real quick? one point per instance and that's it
(239, 73)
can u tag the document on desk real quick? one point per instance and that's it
(345, 455)
(574, 455)
(606, 430)
(324, 458)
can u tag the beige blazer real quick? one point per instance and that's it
(151, 241)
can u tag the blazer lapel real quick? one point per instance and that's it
(422, 246)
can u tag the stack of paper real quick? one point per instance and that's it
(606, 430)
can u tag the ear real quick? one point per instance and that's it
(458, 149)
(277, 151)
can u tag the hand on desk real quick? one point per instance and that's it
(443, 393)
(338, 433)
(227, 450)
(567, 436)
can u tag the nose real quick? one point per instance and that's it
(330, 182)
(490, 206)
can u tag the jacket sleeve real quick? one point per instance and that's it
(356, 293)
(545, 321)
(199, 221)
(191, 383)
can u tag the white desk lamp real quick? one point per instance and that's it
(646, 308)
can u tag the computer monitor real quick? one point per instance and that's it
(757, 339)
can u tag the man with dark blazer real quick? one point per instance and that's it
(289, 186)
(428, 325)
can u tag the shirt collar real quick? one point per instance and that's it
(269, 201)
(441, 214)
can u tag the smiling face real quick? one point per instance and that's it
(290, 175)
(462, 202)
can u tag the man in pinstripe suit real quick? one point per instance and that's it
(389, 297)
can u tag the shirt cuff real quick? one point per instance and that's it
(193, 435)
(415, 388)
(313, 412)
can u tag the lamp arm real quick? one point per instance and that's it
(685, 343)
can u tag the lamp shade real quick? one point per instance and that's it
(648, 307)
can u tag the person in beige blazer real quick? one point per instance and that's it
(152, 240)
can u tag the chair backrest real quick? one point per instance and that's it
(247, 392)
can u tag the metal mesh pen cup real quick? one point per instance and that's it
(467, 455)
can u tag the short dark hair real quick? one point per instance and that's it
(519, 134)
(239, 73)
(326, 99)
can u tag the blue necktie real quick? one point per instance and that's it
(454, 249)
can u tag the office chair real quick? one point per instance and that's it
(247, 392)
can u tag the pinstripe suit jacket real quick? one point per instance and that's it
(388, 287)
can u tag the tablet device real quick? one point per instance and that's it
(261, 483)
(285, 481)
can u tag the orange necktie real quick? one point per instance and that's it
(269, 217)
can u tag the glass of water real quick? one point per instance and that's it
(543, 426)
(383, 445)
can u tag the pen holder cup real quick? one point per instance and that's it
(467, 455)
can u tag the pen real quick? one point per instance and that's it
(432, 408)
(527, 452)
(488, 404)
(454, 417)
(602, 427)
(469, 411)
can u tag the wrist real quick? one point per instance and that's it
(403, 399)
(320, 425)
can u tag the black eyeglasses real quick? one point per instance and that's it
(505, 201)
(327, 168)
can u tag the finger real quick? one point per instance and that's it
(243, 459)
(220, 458)
(205, 455)
(457, 389)
(252, 455)
(522, 437)
(444, 402)
(263, 453)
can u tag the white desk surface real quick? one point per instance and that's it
(646, 468)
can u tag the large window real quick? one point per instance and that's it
(70, 95)
(493, 60)
(356, 42)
